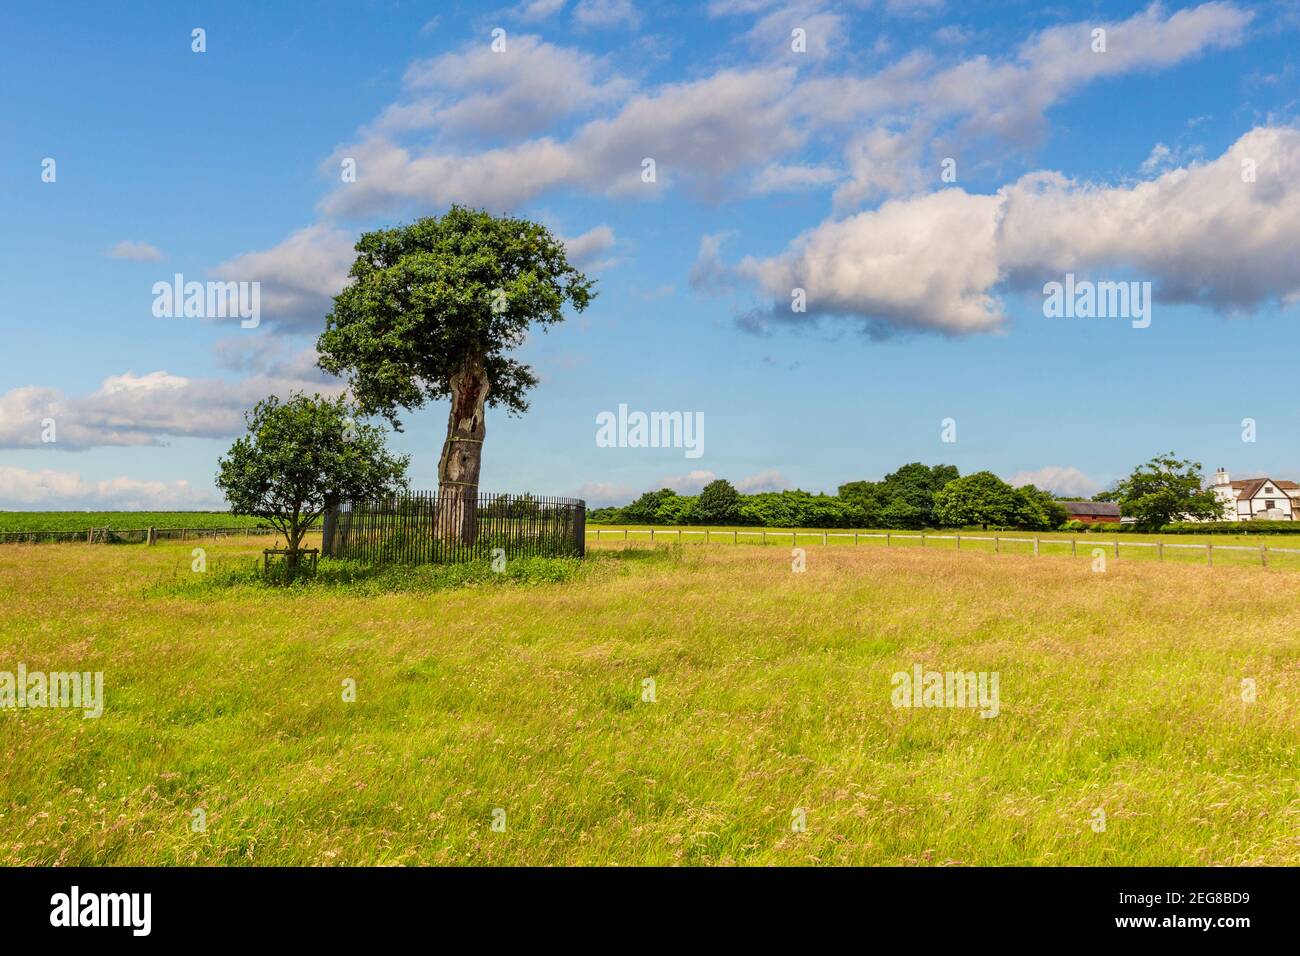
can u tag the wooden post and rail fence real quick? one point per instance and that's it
(406, 528)
(997, 540)
(146, 536)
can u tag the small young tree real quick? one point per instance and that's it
(299, 457)
(1166, 489)
(432, 312)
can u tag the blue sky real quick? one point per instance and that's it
(818, 169)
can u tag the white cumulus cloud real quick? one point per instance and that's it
(1205, 233)
(134, 410)
(299, 277)
(47, 489)
(1057, 479)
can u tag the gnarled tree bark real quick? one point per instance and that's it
(462, 453)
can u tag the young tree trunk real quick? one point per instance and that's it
(291, 559)
(462, 453)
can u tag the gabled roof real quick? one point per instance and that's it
(1102, 509)
(1248, 488)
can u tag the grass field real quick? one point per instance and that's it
(122, 520)
(1119, 691)
(721, 532)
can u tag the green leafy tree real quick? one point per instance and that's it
(678, 509)
(718, 503)
(645, 510)
(909, 494)
(799, 509)
(770, 509)
(985, 499)
(432, 311)
(899, 514)
(301, 456)
(1166, 489)
(828, 511)
(867, 496)
(981, 498)
(1043, 505)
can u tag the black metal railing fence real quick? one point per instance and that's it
(432, 527)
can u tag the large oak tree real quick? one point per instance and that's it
(432, 311)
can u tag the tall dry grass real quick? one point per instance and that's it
(1119, 691)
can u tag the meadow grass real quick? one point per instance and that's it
(1119, 690)
(721, 533)
(1230, 549)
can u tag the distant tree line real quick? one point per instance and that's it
(1159, 492)
(915, 496)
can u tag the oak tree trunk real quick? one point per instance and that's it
(462, 453)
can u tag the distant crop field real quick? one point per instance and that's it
(122, 520)
(668, 705)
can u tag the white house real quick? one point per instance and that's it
(1257, 498)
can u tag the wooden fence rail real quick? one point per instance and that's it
(890, 536)
(124, 535)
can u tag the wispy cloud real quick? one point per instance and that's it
(590, 245)
(135, 252)
(693, 482)
(607, 13)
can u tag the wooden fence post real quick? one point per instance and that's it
(923, 539)
(823, 537)
(1263, 556)
(1035, 545)
(1160, 550)
(958, 542)
(1074, 547)
(888, 540)
(1117, 547)
(151, 536)
(1209, 555)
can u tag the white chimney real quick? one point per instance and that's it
(1221, 478)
